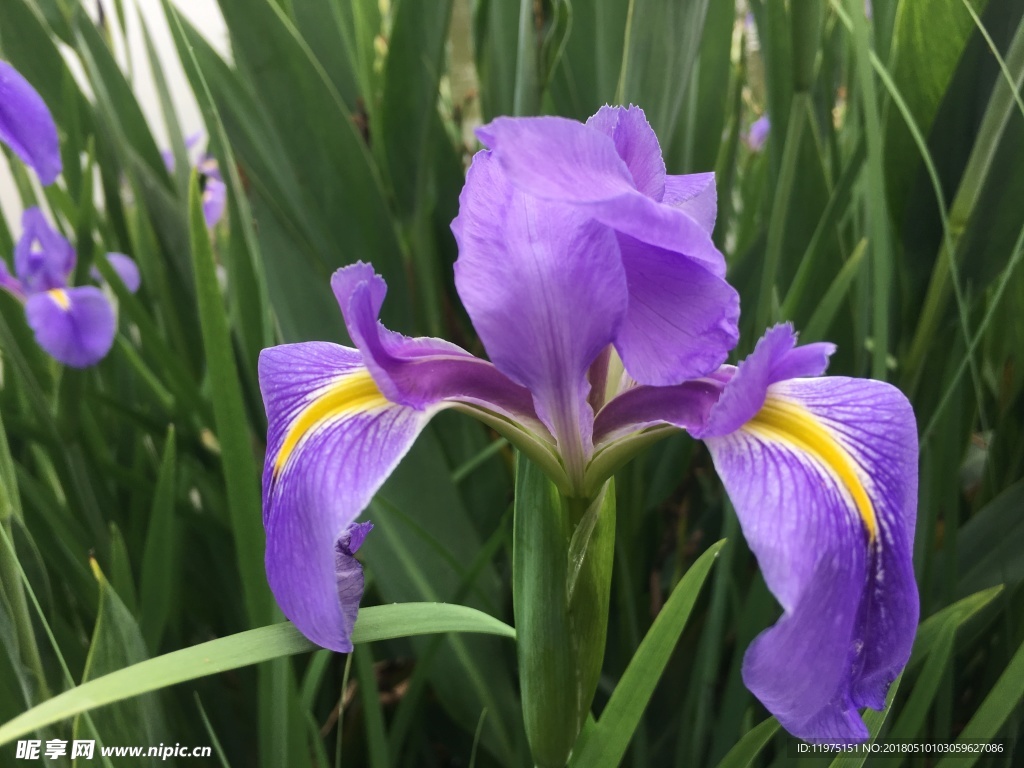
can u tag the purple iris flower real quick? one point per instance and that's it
(757, 135)
(76, 326)
(592, 280)
(214, 189)
(27, 126)
(214, 200)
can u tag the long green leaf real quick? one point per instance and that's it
(606, 743)
(161, 555)
(382, 622)
(1000, 703)
(750, 745)
(240, 472)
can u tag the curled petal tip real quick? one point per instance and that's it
(349, 580)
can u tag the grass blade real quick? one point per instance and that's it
(240, 472)
(750, 746)
(383, 622)
(606, 743)
(993, 712)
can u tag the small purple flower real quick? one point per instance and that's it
(214, 201)
(27, 126)
(214, 189)
(191, 142)
(593, 283)
(757, 135)
(76, 326)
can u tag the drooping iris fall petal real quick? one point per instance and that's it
(333, 440)
(75, 326)
(823, 476)
(27, 126)
(340, 420)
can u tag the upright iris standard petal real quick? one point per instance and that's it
(611, 171)
(637, 146)
(75, 326)
(823, 476)
(43, 259)
(674, 298)
(696, 194)
(546, 290)
(27, 126)
(558, 159)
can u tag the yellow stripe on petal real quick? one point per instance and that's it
(353, 393)
(60, 298)
(789, 422)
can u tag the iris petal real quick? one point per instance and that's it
(546, 290)
(681, 321)
(774, 359)
(612, 172)
(637, 145)
(10, 283)
(419, 372)
(43, 259)
(27, 126)
(126, 269)
(562, 160)
(75, 326)
(841, 571)
(214, 201)
(340, 420)
(330, 447)
(696, 194)
(348, 573)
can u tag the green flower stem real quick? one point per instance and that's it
(11, 589)
(562, 562)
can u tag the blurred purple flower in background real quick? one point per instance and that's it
(210, 179)
(27, 126)
(75, 325)
(758, 132)
(592, 280)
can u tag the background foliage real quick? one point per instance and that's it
(883, 213)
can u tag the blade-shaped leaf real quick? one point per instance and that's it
(606, 743)
(253, 646)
